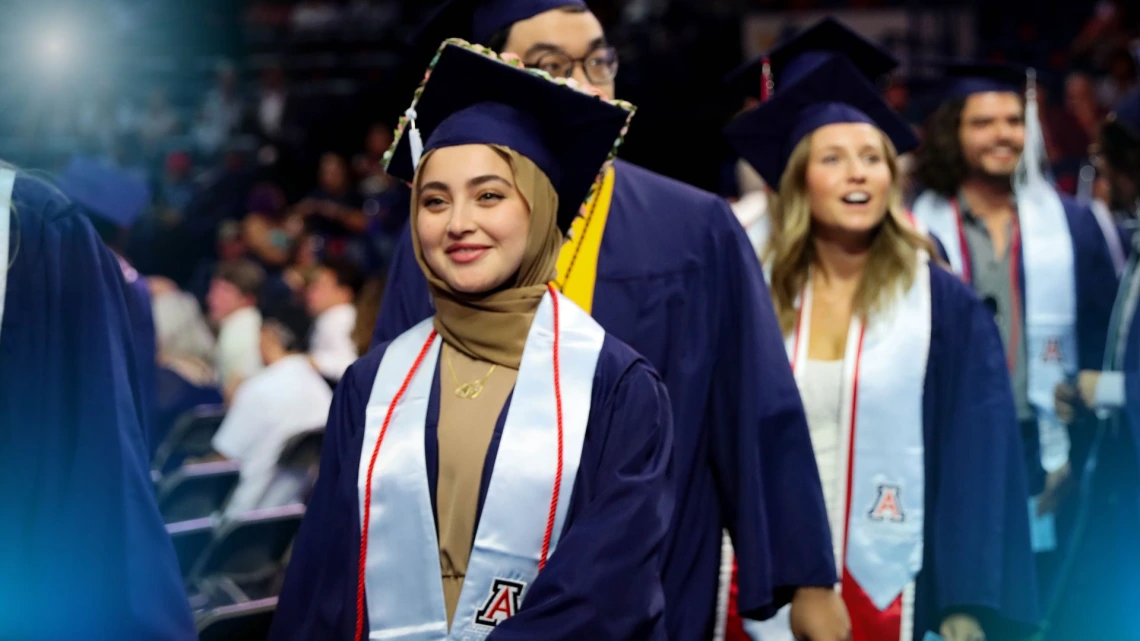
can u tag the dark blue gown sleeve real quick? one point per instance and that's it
(83, 550)
(406, 298)
(318, 599)
(602, 582)
(763, 456)
(983, 563)
(146, 361)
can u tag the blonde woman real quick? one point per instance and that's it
(500, 470)
(900, 369)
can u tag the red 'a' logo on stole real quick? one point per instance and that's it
(501, 604)
(888, 506)
(1052, 353)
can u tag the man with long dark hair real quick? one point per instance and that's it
(1040, 261)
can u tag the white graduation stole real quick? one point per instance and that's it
(1050, 299)
(7, 183)
(402, 572)
(884, 374)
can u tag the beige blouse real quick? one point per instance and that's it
(465, 430)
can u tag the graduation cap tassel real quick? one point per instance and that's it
(1032, 170)
(415, 140)
(766, 84)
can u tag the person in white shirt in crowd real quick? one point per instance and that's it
(330, 298)
(287, 398)
(232, 301)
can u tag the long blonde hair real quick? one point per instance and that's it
(891, 262)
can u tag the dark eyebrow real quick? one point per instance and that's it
(483, 180)
(435, 184)
(546, 47)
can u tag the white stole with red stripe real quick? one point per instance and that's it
(402, 572)
(884, 374)
(1050, 299)
(879, 536)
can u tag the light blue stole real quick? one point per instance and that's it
(402, 569)
(1050, 299)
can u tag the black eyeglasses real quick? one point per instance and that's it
(600, 65)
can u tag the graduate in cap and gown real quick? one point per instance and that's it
(1100, 576)
(113, 200)
(83, 551)
(501, 469)
(1041, 262)
(900, 369)
(666, 268)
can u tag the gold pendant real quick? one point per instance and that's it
(470, 391)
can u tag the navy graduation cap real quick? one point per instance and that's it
(478, 20)
(104, 191)
(833, 92)
(792, 59)
(472, 96)
(967, 77)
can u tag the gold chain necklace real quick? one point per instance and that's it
(472, 390)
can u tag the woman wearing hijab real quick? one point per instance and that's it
(502, 468)
(901, 373)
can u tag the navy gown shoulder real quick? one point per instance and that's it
(74, 463)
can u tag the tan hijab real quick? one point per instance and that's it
(493, 326)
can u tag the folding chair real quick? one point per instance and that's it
(197, 491)
(190, 540)
(240, 622)
(250, 550)
(190, 437)
(297, 468)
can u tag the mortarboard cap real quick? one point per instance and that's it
(104, 191)
(796, 56)
(471, 96)
(478, 20)
(833, 92)
(964, 78)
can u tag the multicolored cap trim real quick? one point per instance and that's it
(472, 95)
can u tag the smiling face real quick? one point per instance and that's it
(848, 178)
(992, 134)
(471, 220)
(549, 39)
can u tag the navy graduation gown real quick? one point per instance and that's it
(602, 581)
(977, 556)
(83, 551)
(678, 281)
(145, 345)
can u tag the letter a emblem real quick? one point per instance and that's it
(888, 506)
(501, 604)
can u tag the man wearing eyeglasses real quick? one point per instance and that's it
(666, 268)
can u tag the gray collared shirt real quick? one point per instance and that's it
(992, 283)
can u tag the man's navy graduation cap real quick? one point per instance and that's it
(478, 20)
(833, 92)
(964, 78)
(471, 96)
(792, 59)
(104, 191)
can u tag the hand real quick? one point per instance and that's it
(818, 614)
(1086, 385)
(961, 627)
(1066, 402)
(1057, 487)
